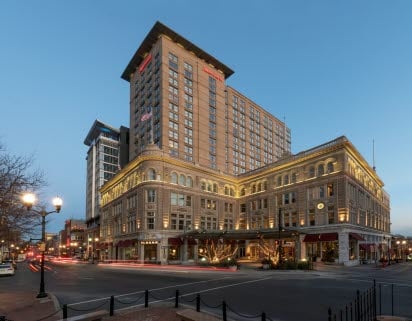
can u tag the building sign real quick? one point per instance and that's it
(213, 74)
(145, 63)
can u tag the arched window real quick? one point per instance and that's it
(259, 187)
(189, 182)
(286, 180)
(151, 174)
(209, 187)
(226, 190)
(265, 185)
(182, 180)
(330, 167)
(253, 188)
(203, 185)
(312, 171)
(173, 178)
(321, 170)
(232, 192)
(242, 191)
(293, 177)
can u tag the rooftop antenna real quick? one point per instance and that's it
(373, 155)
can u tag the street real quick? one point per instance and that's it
(282, 295)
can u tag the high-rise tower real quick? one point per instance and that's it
(179, 101)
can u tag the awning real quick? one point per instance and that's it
(356, 236)
(125, 243)
(191, 241)
(328, 237)
(369, 247)
(311, 238)
(176, 241)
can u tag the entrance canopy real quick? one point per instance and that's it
(323, 237)
(240, 234)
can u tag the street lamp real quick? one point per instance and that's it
(95, 239)
(28, 200)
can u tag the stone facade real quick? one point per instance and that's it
(349, 207)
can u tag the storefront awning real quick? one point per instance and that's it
(355, 236)
(176, 241)
(311, 238)
(369, 247)
(328, 237)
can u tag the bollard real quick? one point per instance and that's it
(357, 306)
(177, 299)
(146, 298)
(329, 314)
(64, 311)
(198, 302)
(111, 306)
(263, 316)
(224, 311)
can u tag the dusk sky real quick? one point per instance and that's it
(327, 68)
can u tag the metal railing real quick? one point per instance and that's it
(382, 299)
(142, 299)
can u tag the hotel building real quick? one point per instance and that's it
(107, 154)
(207, 162)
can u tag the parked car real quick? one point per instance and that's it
(12, 262)
(6, 269)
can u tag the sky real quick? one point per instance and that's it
(326, 68)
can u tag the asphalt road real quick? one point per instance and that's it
(282, 295)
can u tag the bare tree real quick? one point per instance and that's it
(16, 177)
(216, 251)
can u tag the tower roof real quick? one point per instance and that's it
(160, 29)
(97, 128)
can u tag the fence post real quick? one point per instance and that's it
(224, 311)
(111, 305)
(346, 313)
(357, 306)
(351, 312)
(263, 316)
(392, 298)
(177, 299)
(198, 302)
(341, 315)
(64, 311)
(329, 314)
(380, 299)
(146, 298)
(374, 300)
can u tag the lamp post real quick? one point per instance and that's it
(28, 201)
(279, 240)
(93, 240)
(403, 253)
(2, 250)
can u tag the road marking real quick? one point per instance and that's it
(156, 289)
(202, 291)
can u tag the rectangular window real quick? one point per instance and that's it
(150, 220)
(151, 196)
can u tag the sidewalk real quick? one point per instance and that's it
(24, 306)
